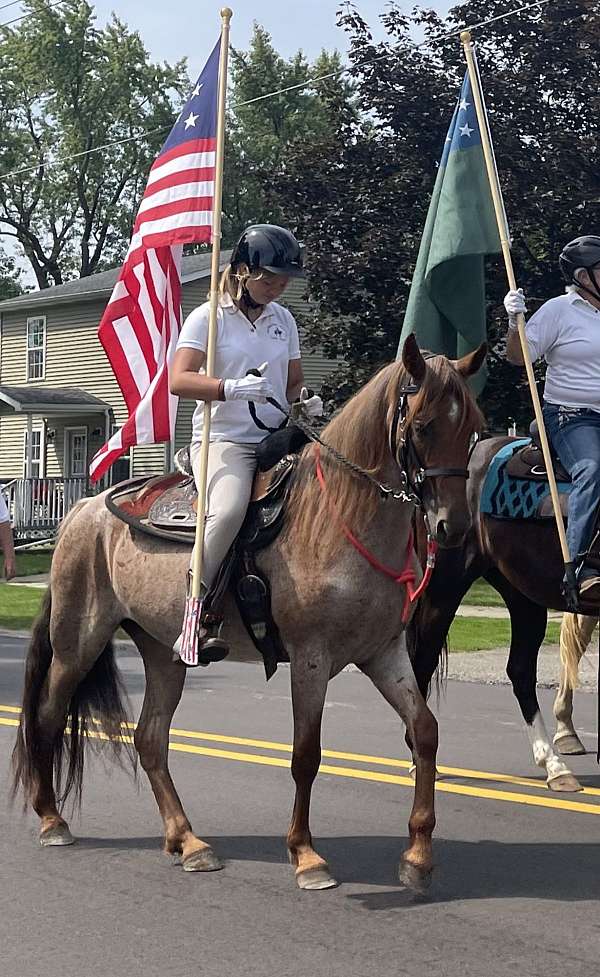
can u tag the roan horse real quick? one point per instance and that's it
(522, 561)
(331, 607)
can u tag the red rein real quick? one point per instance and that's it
(407, 577)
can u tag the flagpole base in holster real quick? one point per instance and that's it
(198, 644)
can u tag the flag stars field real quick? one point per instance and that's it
(191, 120)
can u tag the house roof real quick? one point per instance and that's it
(94, 287)
(49, 400)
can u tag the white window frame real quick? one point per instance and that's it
(36, 428)
(28, 349)
(77, 429)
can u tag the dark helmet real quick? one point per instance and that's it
(583, 252)
(270, 247)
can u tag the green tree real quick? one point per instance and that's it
(360, 194)
(67, 87)
(10, 277)
(260, 133)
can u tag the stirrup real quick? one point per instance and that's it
(211, 646)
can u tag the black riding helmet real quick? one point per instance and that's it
(270, 247)
(583, 252)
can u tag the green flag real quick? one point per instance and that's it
(446, 304)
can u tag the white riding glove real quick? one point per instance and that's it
(248, 388)
(514, 303)
(311, 406)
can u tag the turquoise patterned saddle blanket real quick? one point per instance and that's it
(505, 495)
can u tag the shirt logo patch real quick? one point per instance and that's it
(276, 332)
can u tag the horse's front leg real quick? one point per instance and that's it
(309, 686)
(528, 627)
(575, 635)
(164, 685)
(392, 673)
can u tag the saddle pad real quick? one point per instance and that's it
(506, 497)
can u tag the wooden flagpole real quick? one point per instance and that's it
(501, 219)
(226, 15)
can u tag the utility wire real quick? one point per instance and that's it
(30, 14)
(309, 83)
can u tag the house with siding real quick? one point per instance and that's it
(59, 400)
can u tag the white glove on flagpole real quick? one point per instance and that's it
(514, 303)
(311, 406)
(248, 388)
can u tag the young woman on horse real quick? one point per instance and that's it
(254, 332)
(566, 332)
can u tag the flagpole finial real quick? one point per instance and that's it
(465, 37)
(226, 13)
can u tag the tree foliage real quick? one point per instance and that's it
(10, 277)
(261, 132)
(67, 87)
(359, 197)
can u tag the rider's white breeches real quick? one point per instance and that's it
(231, 469)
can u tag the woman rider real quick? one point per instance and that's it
(253, 332)
(566, 332)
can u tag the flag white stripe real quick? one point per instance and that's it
(191, 161)
(146, 307)
(181, 191)
(133, 353)
(196, 218)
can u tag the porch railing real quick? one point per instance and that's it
(38, 505)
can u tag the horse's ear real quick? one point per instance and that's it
(412, 359)
(470, 364)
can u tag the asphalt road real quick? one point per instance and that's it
(516, 883)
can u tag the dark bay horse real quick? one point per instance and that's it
(331, 606)
(522, 560)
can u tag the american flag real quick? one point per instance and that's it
(141, 323)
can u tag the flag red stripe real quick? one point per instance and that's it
(193, 146)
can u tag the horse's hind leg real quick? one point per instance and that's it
(528, 627)
(164, 685)
(309, 686)
(575, 635)
(391, 672)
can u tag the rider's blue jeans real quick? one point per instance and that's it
(575, 436)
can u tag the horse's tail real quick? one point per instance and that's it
(576, 633)
(96, 714)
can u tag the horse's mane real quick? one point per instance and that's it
(360, 432)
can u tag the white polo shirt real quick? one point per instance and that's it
(243, 346)
(4, 516)
(566, 332)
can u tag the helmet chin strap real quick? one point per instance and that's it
(251, 304)
(596, 289)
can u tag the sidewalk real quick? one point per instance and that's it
(39, 580)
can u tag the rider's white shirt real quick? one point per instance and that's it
(566, 332)
(242, 346)
(4, 516)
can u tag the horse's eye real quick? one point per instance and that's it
(422, 430)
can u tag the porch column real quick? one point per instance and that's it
(29, 453)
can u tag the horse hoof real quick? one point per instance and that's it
(565, 783)
(415, 879)
(316, 878)
(569, 745)
(203, 860)
(59, 835)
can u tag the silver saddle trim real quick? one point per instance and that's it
(174, 509)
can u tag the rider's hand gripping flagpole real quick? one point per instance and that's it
(187, 644)
(492, 173)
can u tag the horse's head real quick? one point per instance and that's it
(434, 424)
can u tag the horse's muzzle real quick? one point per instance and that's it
(451, 532)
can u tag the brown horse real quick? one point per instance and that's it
(331, 607)
(522, 560)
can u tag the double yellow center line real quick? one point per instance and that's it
(453, 780)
